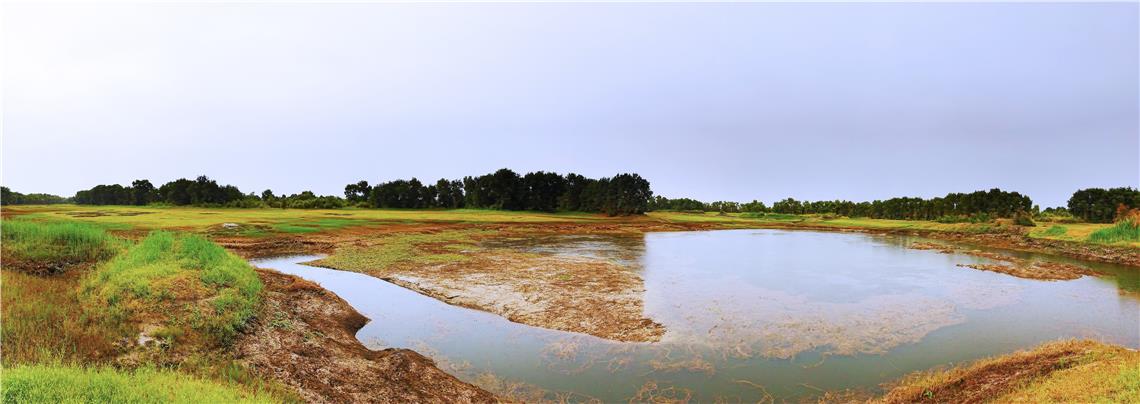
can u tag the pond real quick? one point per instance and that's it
(750, 315)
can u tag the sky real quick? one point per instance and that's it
(727, 101)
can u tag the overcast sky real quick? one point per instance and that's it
(710, 101)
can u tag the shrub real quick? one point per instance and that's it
(175, 281)
(1022, 218)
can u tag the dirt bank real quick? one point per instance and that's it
(305, 338)
(1064, 371)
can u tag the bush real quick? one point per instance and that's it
(1023, 219)
(175, 281)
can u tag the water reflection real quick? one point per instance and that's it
(750, 314)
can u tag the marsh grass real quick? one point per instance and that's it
(71, 384)
(56, 241)
(1061, 371)
(185, 284)
(1127, 230)
(43, 322)
(1055, 231)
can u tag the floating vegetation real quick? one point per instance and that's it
(651, 392)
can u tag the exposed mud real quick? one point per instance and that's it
(1021, 268)
(42, 267)
(248, 247)
(305, 339)
(585, 295)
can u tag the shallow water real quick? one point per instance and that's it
(751, 314)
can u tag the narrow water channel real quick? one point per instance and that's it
(752, 314)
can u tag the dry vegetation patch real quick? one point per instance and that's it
(1064, 371)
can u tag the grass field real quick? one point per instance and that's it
(268, 222)
(73, 384)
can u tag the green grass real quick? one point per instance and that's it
(194, 219)
(1123, 231)
(1055, 231)
(56, 241)
(186, 284)
(68, 384)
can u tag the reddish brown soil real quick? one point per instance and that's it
(305, 338)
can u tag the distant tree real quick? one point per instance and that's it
(449, 193)
(571, 198)
(1099, 205)
(143, 192)
(542, 190)
(358, 192)
(626, 194)
(754, 206)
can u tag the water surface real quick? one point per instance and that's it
(751, 314)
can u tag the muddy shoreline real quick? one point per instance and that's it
(305, 339)
(597, 297)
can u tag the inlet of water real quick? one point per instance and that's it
(752, 314)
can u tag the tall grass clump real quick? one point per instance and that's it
(68, 384)
(187, 286)
(56, 241)
(1124, 230)
(1055, 231)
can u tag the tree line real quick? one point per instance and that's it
(622, 194)
(547, 191)
(992, 203)
(7, 197)
(1099, 205)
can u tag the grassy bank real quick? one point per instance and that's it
(187, 286)
(70, 384)
(72, 292)
(1064, 371)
